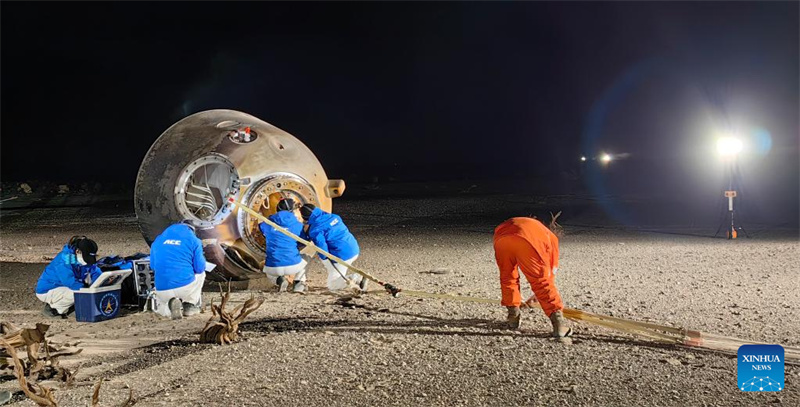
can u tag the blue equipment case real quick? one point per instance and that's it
(101, 301)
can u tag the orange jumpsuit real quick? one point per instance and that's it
(527, 244)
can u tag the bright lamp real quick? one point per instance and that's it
(729, 146)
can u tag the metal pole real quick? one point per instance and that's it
(730, 188)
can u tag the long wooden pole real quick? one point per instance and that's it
(656, 332)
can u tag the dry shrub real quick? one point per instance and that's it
(223, 326)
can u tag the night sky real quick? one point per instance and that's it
(450, 91)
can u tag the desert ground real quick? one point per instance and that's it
(320, 350)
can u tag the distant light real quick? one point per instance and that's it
(606, 158)
(583, 158)
(729, 146)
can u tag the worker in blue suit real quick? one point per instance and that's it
(72, 269)
(328, 232)
(179, 270)
(282, 255)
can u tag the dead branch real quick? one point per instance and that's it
(17, 337)
(223, 326)
(96, 393)
(35, 335)
(30, 339)
(42, 355)
(39, 394)
(64, 352)
(131, 400)
(68, 377)
(7, 327)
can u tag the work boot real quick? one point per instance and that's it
(299, 287)
(514, 317)
(282, 284)
(69, 311)
(560, 327)
(190, 309)
(363, 284)
(175, 308)
(49, 312)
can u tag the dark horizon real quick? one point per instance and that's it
(415, 92)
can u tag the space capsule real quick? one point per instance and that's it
(197, 164)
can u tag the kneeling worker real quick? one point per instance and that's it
(528, 245)
(282, 256)
(329, 233)
(72, 269)
(179, 268)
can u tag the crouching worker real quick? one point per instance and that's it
(528, 245)
(283, 258)
(176, 257)
(329, 233)
(72, 269)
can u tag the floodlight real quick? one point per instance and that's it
(583, 158)
(729, 146)
(606, 158)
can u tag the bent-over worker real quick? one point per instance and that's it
(282, 256)
(328, 232)
(528, 245)
(72, 269)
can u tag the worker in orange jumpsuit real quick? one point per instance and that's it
(528, 245)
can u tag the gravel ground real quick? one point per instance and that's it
(321, 350)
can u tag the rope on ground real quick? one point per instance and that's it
(654, 332)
